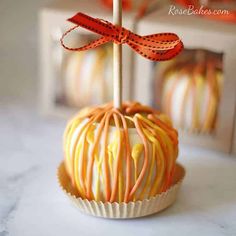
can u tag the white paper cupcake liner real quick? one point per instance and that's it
(122, 210)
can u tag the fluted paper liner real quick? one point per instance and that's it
(122, 210)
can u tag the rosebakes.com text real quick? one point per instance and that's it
(191, 10)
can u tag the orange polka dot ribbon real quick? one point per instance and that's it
(155, 47)
(230, 17)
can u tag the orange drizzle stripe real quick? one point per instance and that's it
(117, 161)
(146, 158)
(128, 157)
(91, 159)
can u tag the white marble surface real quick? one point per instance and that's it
(31, 203)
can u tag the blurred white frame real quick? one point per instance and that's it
(196, 33)
(54, 17)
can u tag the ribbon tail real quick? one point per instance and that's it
(158, 55)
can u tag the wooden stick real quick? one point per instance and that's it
(117, 57)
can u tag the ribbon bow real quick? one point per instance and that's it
(156, 47)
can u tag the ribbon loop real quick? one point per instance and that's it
(156, 47)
